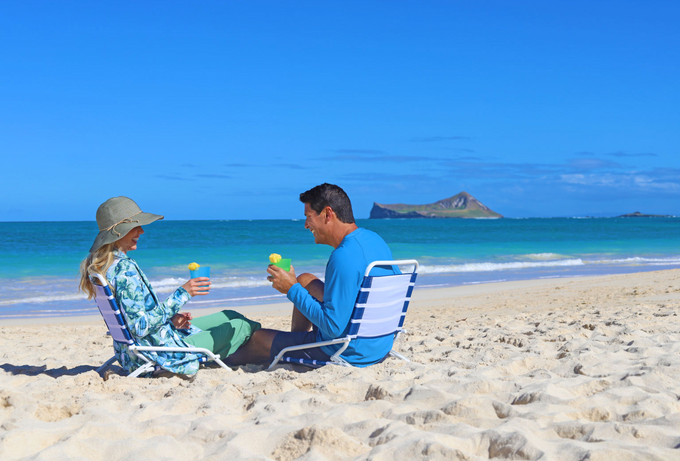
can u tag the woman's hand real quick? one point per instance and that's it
(198, 286)
(182, 321)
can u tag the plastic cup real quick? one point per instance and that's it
(203, 271)
(283, 264)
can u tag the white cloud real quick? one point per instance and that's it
(620, 180)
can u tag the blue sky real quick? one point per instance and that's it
(228, 110)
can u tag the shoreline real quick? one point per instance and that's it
(422, 297)
(45, 298)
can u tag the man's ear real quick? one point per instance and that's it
(329, 214)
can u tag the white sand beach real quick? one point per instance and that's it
(558, 369)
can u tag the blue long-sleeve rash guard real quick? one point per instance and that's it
(344, 274)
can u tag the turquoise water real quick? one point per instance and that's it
(39, 261)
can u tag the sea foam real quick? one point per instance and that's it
(485, 267)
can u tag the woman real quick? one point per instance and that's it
(151, 322)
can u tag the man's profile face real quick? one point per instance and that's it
(315, 222)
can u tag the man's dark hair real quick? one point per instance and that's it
(324, 195)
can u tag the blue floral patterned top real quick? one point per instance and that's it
(148, 319)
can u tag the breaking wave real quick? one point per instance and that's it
(485, 267)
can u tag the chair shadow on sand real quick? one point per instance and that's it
(32, 370)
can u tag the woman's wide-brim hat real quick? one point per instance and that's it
(118, 216)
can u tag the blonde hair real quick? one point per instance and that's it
(95, 263)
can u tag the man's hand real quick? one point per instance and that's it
(281, 280)
(182, 321)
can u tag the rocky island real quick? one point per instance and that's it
(462, 205)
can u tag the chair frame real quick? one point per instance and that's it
(335, 358)
(121, 334)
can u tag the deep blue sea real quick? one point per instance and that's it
(39, 260)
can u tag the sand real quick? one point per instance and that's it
(560, 369)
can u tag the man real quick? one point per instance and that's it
(322, 310)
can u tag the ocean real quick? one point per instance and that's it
(39, 260)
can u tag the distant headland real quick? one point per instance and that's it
(462, 205)
(637, 214)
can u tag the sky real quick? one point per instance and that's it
(231, 109)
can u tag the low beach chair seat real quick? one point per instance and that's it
(117, 325)
(379, 311)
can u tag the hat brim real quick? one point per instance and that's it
(121, 230)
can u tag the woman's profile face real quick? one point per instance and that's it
(129, 242)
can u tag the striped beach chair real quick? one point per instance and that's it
(379, 311)
(117, 325)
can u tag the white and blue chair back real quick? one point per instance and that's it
(112, 315)
(382, 302)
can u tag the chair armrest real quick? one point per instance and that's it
(345, 340)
